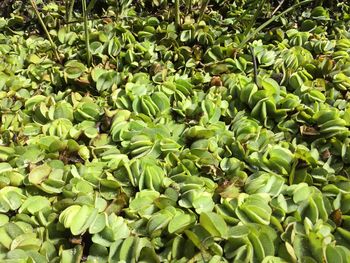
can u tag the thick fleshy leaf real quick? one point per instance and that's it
(214, 224)
(74, 69)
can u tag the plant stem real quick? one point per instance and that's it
(255, 66)
(249, 36)
(256, 14)
(177, 13)
(240, 18)
(69, 13)
(89, 19)
(188, 6)
(53, 45)
(66, 5)
(202, 10)
(91, 5)
(87, 36)
(278, 7)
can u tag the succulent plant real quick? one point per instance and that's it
(174, 131)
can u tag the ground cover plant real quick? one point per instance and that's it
(174, 131)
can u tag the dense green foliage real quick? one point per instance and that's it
(174, 131)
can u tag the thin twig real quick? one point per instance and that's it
(89, 19)
(177, 13)
(188, 6)
(70, 13)
(91, 5)
(53, 45)
(87, 37)
(256, 14)
(277, 8)
(202, 10)
(240, 18)
(255, 66)
(66, 4)
(249, 36)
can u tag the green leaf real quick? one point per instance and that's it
(74, 69)
(39, 174)
(114, 47)
(73, 255)
(214, 224)
(34, 204)
(5, 167)
(107, 80)
(98, 224)
(332, 255)
(84, 217)
(180, 222)
(26, 241)
(238, 231)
